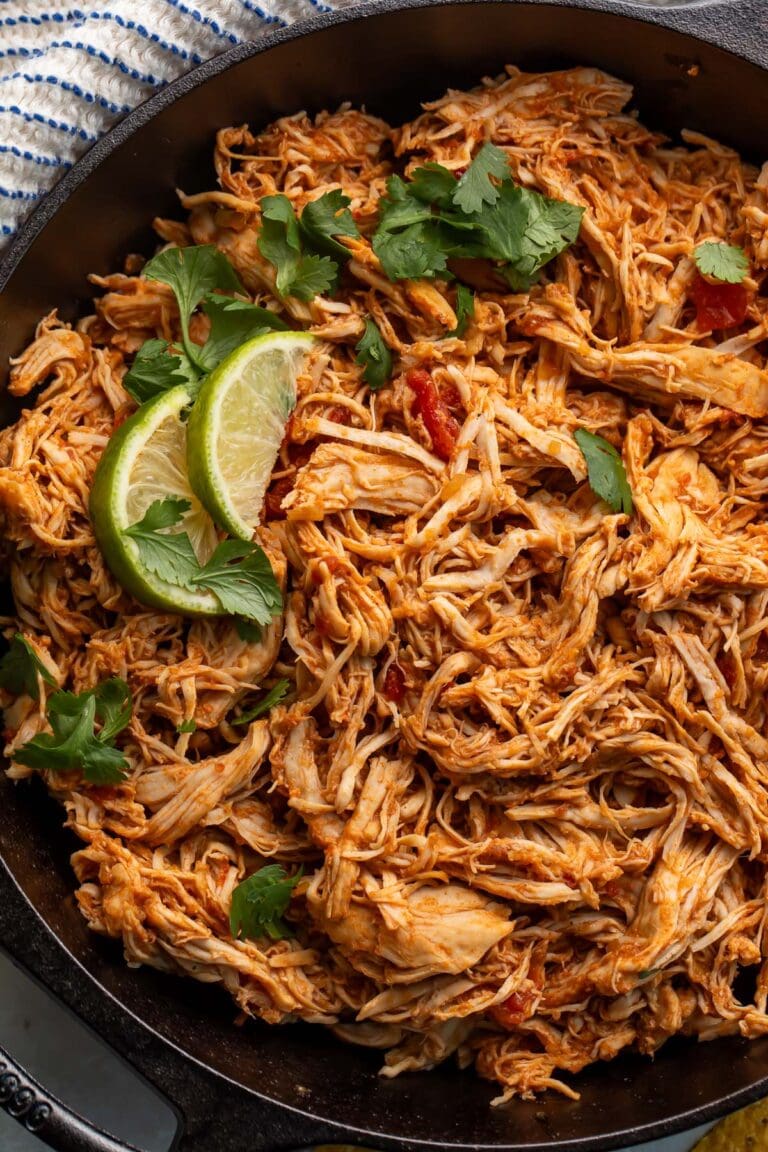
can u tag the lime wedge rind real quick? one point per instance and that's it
(145, 461)
(237, 425)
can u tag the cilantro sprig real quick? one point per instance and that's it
(266, 704)
(324, 219)
(605, 471)
(475, 187)
(21, 669)
(73, 745)
(465, 310)
(305, 251)
(169, 555)
(374, 356)
(197, 275)
(238, 573)
(192, 273)
(232, 323)
(259, 903)
(155, 369)
(724, 262)
(434, 218)
(412, 241)
(241, 578)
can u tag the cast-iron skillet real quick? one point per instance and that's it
(695, 65)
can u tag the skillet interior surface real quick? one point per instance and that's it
(389, 62)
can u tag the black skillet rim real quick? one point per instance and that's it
(726, 24)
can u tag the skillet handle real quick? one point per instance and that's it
(46, 1117)
(58, 1126)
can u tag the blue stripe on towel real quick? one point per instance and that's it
(206, 20)
(60, 125)
(265, 16)
(94, 53)
(42, 161)
(75, 89)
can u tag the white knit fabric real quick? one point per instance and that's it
(69, 71)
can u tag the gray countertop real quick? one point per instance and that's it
(78, 1067)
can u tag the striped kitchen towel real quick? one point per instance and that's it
(68, 73)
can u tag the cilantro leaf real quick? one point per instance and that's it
(605, 470)
(266, 704)
(374, 355)
(723, 262)
(433, 184)
(279, 229)
(465, 310)
(155, 369)
(169, 555)
(258, 903)
(401, 207)
(408, 239)
(280, 243)
(192, 273)
(232, 323)
(475, 187)
(21, 669)
(416, 252)
(238, 574)
(102, 763)
(325, 218)
(241, 578)
(195, 274)
(73, 744)
(648, 973)
(247, 630)
(113, 707)
(525, 230)
(313, 276)
(163, 514)
(419, 229)
(187, 726)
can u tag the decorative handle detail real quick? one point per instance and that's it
(20, 1100)
(41, 1113)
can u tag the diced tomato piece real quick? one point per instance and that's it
(339, 414)
(394, 684)
(276, 493)
(512, 1011)
(450, 395)
(434, 411)
(719, 305)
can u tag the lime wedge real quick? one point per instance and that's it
(146, 460)
(237, 426)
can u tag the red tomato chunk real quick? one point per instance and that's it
(429, 404)
(512, 1011)
(394, 684)
(719, 305)
(276, 493)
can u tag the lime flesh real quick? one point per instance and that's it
(238, 423)
(145, 461)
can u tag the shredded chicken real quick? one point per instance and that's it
(524, 766)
